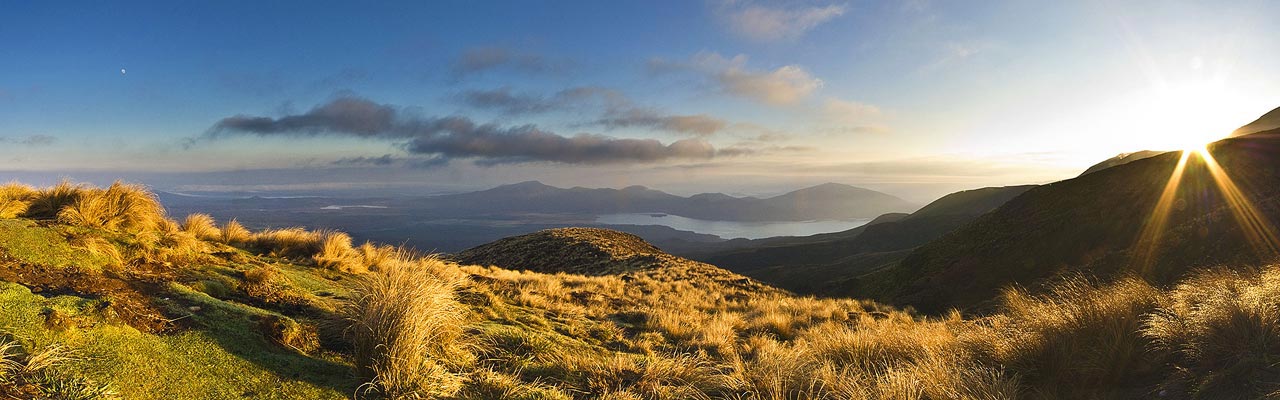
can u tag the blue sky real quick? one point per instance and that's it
(916, 98)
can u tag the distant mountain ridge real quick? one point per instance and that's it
(826, 201)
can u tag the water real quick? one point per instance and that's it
(734, 229)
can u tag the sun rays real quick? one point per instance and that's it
(1254, 226)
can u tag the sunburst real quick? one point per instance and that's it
(1256, 228)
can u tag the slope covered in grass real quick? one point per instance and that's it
(1102, 224)
(289, 313)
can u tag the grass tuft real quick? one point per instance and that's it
(202, 226)
(406, 329)
(121, 207)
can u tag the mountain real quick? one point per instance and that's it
(1101, 224)
(1266, 122)
(1120, 159)
(826, 201)
(820, 264)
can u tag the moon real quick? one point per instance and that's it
(122, 71)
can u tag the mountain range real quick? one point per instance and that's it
(821, 202)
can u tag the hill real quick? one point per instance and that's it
(103, 297)
(1268, 121)
(827, 201)
(1122, 158)
(1104, 224)
(821, 264)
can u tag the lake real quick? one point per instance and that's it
(734, 229)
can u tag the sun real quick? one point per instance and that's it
(1189, 115)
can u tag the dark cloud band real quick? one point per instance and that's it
(458, 137)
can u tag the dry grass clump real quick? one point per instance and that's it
(38, 374)
(337, 254)
(15, 198)
(202, 226)
(406, 329)
(50, 201)
(294, 243)
(1080, 336)
(234, 233)
(1223, 330)
(120, 207)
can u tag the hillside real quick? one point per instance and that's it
(1095, 223)
(1121, 159)
(1268, 121)
(821, 264)
(103, 297)
(827, 201)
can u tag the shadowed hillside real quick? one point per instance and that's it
(1121, 159)
(821, 264)
(1104, 223)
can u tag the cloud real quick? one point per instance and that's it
(504, 100)
(483, 59)
(785, 85)
(763, 23)
(456, 136)
(387, 160)
(32, 140)
(382, 161)
(700, 124)
(617, 110)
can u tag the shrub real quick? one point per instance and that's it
(120, 207)
(406, 329)
(235, 233)
(15, 198)
(202, 226)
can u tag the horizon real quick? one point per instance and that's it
(915, 99)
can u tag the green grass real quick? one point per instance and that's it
(224, 357)
(28, 242)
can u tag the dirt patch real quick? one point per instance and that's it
(125, 300)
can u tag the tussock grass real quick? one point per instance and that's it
(50, 201)
(234, 233)
(337, 254)
(202, 226)
(293, 243)
(37, 374)
(15, 199)
(406, 329)
(1223, 329)
(119, 207)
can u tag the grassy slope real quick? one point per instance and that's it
(824, 264)
(215, 352)
(1091, 223)
(654, 326)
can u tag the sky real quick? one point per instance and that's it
(914, 98)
